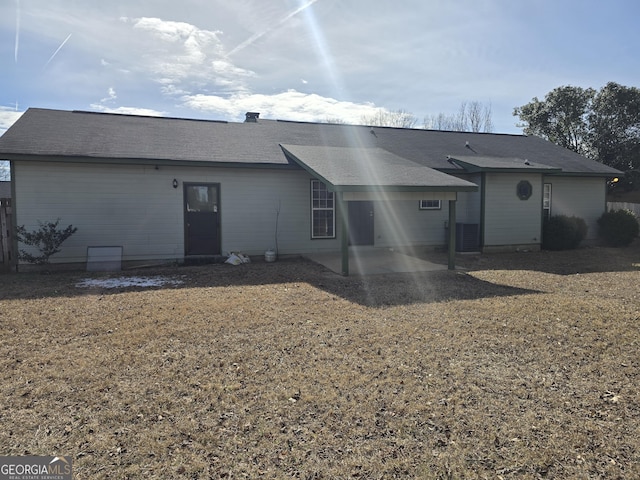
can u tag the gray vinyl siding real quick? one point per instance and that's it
(136, 207)
(131, 206)
(509, 220)
(402, 223)
(250, 200)
(583, 197)
(469, 206)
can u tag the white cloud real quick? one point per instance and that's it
(147, 112)
(256, 36)
(111, 96)
(171, 90)
(181, 53)
(8, 116)
(290, 105)
(426, 58)
(190, 64)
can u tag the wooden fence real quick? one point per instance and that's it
(634, 207)
(6, 235)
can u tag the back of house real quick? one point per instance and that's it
(168, 189)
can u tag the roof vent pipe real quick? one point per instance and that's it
(251, 117)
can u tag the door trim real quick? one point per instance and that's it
(362, 230)
(218, 238)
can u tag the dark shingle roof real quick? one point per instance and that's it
(42, 134)
(432, 148)
(500, 164)
(54, 133)
(350, 168)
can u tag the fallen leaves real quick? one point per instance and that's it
(284, 370)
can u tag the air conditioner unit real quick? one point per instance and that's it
(467, 237)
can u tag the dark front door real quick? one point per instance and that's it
(202, 219)
(361, 223)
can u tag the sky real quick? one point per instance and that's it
(308, 60)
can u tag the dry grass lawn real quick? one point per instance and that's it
(522, 366)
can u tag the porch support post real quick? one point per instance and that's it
(14, 263)
(452, 234)
(344, 234)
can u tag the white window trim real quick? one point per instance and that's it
(546, 198)
(422, 206)
(317, 209)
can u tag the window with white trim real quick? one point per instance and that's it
(323, 211)
(430, 204)
(546, 201)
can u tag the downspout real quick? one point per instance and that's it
(483, 202)
(344, 233)
(542, 182)
(452, 234)
(13, 266)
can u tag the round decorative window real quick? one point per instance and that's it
(524, 190)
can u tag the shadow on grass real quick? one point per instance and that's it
(371, 290)
(408, 288)
(568, 262)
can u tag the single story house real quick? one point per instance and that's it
(171, 188)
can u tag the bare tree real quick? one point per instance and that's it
(386, 118)
(471, 117)
(440, 121)
(479, 117)
(334, 121)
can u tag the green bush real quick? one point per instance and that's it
(618, 228)
(47, 239)
(561, 232)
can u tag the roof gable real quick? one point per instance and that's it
(350, 169)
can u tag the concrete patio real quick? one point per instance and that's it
(371, 261)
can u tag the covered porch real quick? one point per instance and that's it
(379, 260)
(356, 174)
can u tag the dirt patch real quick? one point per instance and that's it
(521, 366)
